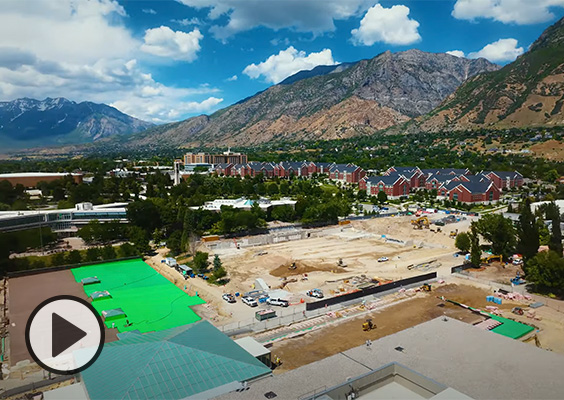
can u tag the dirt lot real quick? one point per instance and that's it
(26, 293)
(359, 245)
(347, 334)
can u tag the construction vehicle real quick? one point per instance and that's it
(420, 223)
(453, 234)
(341, 263)
(293, 266)
(368, 325)
(425, 287)
(517, 310)
(517, 280)
(491, 258)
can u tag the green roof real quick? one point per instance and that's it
(171, 364)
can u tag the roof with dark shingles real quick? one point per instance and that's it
(385, 179)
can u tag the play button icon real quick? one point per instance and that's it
(64, 334)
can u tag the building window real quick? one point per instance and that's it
(455, 196)
(491, 195)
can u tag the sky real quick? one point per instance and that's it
(164, 61)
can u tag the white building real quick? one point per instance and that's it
(244, 204)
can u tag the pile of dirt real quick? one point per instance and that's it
(300, 268)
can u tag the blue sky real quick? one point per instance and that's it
(168, 60)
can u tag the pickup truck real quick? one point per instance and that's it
(315, 293)
(277, 302)
(248, 300)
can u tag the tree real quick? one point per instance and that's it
(546, 270)
(462, 242)
(93, 254)
(127, 250)
(499, 231)
(217, 264)
(200, 262)
(475, 251)
(74, 257)
(528, 232)
(139, 238)
(283, 213)
(58, 259)
(382, 197)
(553, 214)
(174, 242)
(108, 252)
(551, 176)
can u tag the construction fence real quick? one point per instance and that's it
(369, 291)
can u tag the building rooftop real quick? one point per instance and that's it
(36, 174)
(481, 364)
(171, 364)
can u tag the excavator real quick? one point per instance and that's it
(420, 223)
(368, 325)
(453, 234)
(491, 258)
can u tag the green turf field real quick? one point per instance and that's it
(149, 300)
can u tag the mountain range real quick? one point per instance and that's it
(27, 122)
(330, 102)
(527, 92)
(410, 91)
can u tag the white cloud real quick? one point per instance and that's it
(456, 53)
(316, 16)
(188, 22)
(81, 50)
(501, 51)
(279, 66)
(233, 78)
(521, 12)
(164, 42)
(149, 11)
(387, 25)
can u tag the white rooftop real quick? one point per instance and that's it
(243, 203)
(36, 174)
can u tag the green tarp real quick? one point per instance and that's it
(150, 301)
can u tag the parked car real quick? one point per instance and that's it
(315, 293)
(277, 302)
(228, 297)
(248, 300)
(383, 259)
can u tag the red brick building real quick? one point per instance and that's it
(504, 179)
(394, 185)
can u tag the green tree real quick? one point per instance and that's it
(283, 213)
(217, 264)
(108, 252)
(462, 242)
(553, 214)
(382, 197)
(73, 257)
(200, 262)
(551, 176)
(272, 189)
(528, 232)
(126, 250)
(93, 254)
(174, 242)
(475, 250)
(546, 271)
(58, 259)
(139, 238)
(499, 231)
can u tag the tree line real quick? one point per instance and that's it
(544, 269)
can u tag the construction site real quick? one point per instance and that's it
(355, 257)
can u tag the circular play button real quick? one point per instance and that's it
(64, 335)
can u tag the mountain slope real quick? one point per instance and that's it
(333, 103)
(25, 122)
(527, 92)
